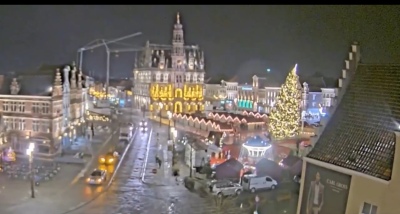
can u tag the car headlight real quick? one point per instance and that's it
(88, 179)
(145, 129)
(99, 180)
(141, 124)
(111, 160)
(102, 159)
(131, 128)
(145, 123)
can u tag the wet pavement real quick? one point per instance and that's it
(66, 190)
(128, 194)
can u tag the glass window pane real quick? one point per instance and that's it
(366, 208)
(374, 210)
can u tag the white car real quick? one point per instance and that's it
(97, 177)
(221, 189)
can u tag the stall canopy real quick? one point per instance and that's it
(229, 169)
(266, 167)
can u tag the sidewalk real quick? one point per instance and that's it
(158, 148)
(14, 192)
(164, 174)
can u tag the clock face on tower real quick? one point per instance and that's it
(179, 62)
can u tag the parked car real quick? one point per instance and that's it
(212, 182)
(254, 183)
(221, 189)
(97, 177)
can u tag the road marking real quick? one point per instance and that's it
(147, 156)
(71, 209)
(122, 158)
(83, 171)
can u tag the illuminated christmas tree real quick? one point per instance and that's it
(284, 120)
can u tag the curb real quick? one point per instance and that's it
(109, 182)
(143, 173)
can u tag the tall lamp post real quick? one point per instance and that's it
(169, 113)
(29, 152)
(174, 133)
(161, 107)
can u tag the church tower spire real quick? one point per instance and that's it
(178, 52)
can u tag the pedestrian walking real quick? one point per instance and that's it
(158, 161)
(92, 128)
(257, 200)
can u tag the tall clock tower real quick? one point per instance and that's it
(178, 55)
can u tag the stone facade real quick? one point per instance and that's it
(45, 106)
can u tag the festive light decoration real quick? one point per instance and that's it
(215, 125)
(285, 117)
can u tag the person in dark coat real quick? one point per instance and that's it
(92, 128)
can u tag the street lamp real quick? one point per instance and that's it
(29, 152)
(169, 113)
(174, 135)
(186, 141)
(161, 106)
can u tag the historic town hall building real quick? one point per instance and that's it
(169, 77)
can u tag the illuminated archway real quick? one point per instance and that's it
(178, 107)
(178, 93)
(170, 107)
(186, 107)
(193, 106)
(200, 106)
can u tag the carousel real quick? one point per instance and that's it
(254, 149)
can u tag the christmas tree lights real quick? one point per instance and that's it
(284, 120)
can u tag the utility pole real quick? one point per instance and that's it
(191, 158)
(107, 69)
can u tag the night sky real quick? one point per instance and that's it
(239, 40)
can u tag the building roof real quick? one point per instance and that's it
(360, 135)
(317, 81)
(152, 55)
(256, 141)
(35, 82)
(30, 85)
(231, 164)
(127, 84)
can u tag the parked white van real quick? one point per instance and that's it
(254, 183)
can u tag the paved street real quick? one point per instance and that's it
(128, 194)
